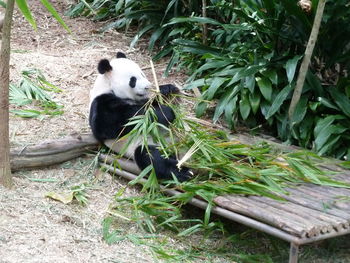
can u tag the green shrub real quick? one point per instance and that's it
(248, 61)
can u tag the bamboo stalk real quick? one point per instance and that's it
(154, 76)
(307, 58)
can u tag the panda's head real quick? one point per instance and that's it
(124, 77)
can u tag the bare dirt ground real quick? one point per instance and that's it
(34, 228)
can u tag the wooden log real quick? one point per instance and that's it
(304, 200)
(289, 218)
(325, 222)
(323, 195)
(261, 214)
(52, 152)
(344, 175)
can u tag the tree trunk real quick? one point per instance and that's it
(306, 60)
(204, 27)
(5, 171)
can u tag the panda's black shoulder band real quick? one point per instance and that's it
(121, 55)
(104, 66)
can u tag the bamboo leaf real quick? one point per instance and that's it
(327, 103)
(254, 99)
(27, 113)
(214, 86)
(118, 6)
(300, 111)
(224, 101)
(342, 101)
(325, 134)
(140, 34)
(201, 20)
(154, 37)
(201, 108)
(22, 5)
(328, 145)
(65, 198)
(265, 87)
(245, 72)
(144, 172)
(323, 124)
(244, 107)
(272, 75)
(190, 230)
(230, 110)
(278, 101)
(54, 13)
(250, 83)
(291, 66)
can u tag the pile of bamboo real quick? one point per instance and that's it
(308, 210)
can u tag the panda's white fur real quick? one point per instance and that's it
(118, 81)
(120, 92)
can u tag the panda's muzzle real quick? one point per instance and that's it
(142, 95)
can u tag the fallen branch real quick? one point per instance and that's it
(52, 152)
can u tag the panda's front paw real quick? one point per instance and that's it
(183, 174)
(168, 89)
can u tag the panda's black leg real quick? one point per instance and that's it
(164, 167)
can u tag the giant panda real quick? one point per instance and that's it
(120, 92)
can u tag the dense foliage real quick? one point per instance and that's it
(244, 55)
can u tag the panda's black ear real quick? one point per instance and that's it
(121, 55)
(104, 66)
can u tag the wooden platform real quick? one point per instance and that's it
(311, 213)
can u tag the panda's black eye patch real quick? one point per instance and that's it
(132, 82)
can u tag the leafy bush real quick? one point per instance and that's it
(149, 16)
(32, 89)
(248, 59)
